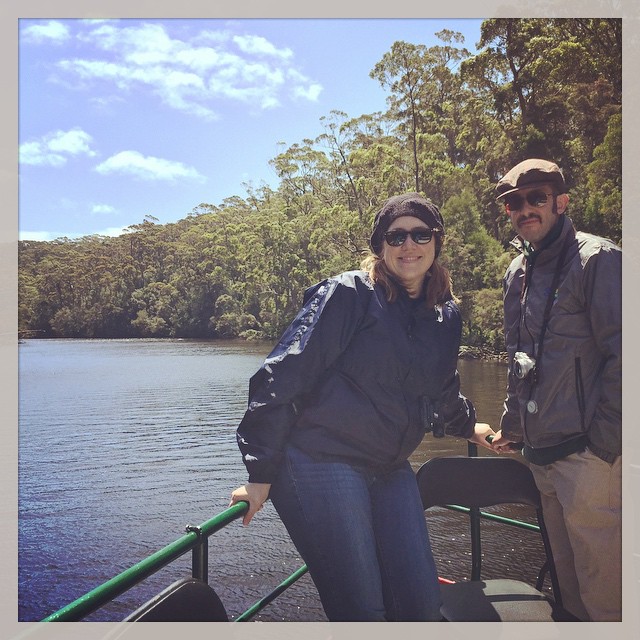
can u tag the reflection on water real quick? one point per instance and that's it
(122, 443)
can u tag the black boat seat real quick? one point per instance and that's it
(476, 482)
(186, 600)
(494, 601)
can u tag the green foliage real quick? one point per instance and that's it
(455, 123)
(484, 320)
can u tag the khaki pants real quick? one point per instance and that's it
(581, 503)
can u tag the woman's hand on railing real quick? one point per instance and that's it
(255, 493)
(482, 432)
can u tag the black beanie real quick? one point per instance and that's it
(408, 204)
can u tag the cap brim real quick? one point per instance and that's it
(506, 193)
(530, 185)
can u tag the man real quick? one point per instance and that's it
(562, 321)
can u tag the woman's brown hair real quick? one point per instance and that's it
(438, 282)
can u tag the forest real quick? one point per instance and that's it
(454, 124)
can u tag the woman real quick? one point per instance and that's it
(364, 370)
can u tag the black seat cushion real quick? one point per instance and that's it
(187, 600)
(494, 601)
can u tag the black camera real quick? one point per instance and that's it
(523, 365)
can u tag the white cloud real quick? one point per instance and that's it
(147, 167)
(312, 92)
(261, 46)
(112, 232)
(88, 69)
(37, 236)
(203, 59)
(36, 153)
(52, 32)
(94, 21)
(54, 149)
(106, 104)
(191, 74)
(48, 236)
(72, 142)
(102, 208)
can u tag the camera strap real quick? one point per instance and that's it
(550, 299)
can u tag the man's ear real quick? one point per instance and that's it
(563, 202)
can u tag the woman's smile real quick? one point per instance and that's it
(409, 262)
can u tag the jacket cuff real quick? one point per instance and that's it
(263, 473)
(511, 427)
(260, 479)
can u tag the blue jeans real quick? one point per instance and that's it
(363, 537)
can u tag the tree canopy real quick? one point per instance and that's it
(455, 123)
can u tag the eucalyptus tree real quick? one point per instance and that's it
(198, 273)
(425, 100)
(338, 140)
(364, 160)
(400, 72)
(378, 163)
(477, 263)
(598, 206)
(555, 83)
(305, 176)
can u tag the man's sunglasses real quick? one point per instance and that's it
(398, 237)
(514, 201)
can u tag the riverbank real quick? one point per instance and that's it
(465, 352)
(481, 353)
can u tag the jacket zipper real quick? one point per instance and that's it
(524, 300)
(580, 392)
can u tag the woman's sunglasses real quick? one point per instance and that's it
(398, 237)
(514, 201)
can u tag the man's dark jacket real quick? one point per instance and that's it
(577, 394)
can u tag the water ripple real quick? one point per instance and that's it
(122, 443)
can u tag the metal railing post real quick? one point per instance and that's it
(476, 545)
(199, 555)
(94, 599)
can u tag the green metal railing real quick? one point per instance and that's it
(496, 518)
(196, 541)
(263, 602)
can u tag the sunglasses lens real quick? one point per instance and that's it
(515, 201)
(396, 238)
(422, 236)
(537, 198)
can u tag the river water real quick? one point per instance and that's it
(122, 443)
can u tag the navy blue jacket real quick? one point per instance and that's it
(357, 379)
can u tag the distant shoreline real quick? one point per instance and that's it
(466, 352)
(481, 353)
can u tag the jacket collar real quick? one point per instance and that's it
(551, 245)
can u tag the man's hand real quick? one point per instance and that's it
(501, 444)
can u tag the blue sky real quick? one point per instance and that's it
(119, 119)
